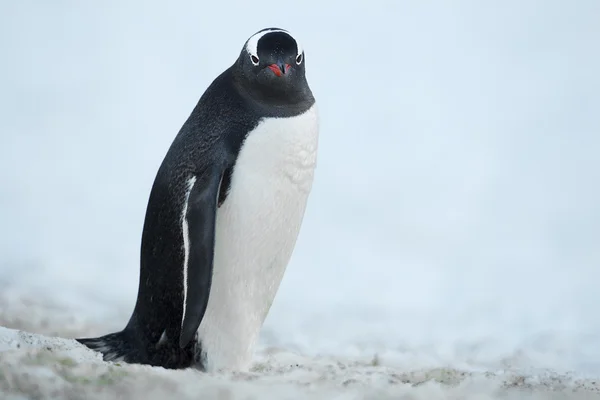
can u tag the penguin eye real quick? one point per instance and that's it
(299, 59)
(254, 59)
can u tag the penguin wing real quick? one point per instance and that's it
(199, 241)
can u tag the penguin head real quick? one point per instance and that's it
(271, 64)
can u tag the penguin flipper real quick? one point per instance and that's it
(199, 226)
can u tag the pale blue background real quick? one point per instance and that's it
(455, 216)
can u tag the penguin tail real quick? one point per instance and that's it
(114, 347)
(125, 346)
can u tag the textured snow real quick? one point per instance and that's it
(46, 366)
(57, 368)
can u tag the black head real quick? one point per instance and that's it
(271, 67)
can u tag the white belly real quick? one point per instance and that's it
(256, 232)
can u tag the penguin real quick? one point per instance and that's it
(223, 215)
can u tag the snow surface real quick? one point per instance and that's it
(454, 220)
(50, 367)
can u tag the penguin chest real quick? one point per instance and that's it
(257, 228)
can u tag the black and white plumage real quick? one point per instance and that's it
(223, 215)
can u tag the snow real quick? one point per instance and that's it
(452, 232)
(34, 366)
(51, 365)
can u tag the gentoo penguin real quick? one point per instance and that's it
(223, 215)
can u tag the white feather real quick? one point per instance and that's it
(256, 232)
(186, 243)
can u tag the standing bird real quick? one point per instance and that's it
(224, 214)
